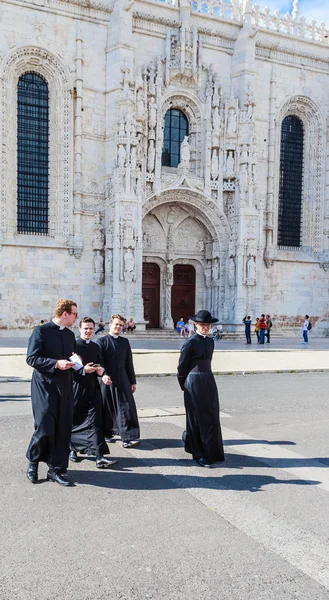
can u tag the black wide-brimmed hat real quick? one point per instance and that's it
(203, 316)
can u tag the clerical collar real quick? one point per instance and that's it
(85, 341)
(58, 325)
(204, 336)
(114, 336)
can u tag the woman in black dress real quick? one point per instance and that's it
(203, 436)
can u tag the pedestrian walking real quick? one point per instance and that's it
(118, 384)
(257, 328)
(101, 326)
(247, 328)
(262, 329)
(306, 329)
(87, 432)
(203, 436)
(49, 350)
(268, 328)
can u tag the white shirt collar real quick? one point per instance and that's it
(60, 326)
(204, 336)
(114, 336)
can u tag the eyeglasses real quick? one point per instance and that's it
(74, 313)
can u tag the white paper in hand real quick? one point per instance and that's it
(76, 360)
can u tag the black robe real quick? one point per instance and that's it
(119, 408)
(87, 434)
(51, 395)
(204, 436)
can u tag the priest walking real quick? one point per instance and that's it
(49, 349)
(203, 436)
(118, 385)
(87, 434)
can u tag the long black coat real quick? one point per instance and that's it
(51, 395)
(204, 436)
(119, 408)
(87, 434)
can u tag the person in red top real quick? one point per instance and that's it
(262, 326)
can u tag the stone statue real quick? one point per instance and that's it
(98, 237)
(99, 267)
(140, 105)
(152, 112)
(151, 157)
(230, 163)
(251, 269)
(207, 274)
(216, 120)
(231, 272)
(133, 157)
(185, 152)
(139, 184)
(121, 156)
(231, 121)
(215, 270)
(243, 177)
(214, 165)
(129, 265)
(170, 273)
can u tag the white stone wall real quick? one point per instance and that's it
(99, 63)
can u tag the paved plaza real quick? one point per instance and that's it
(160, 527)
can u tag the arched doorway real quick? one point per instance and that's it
(183, 292)
(151, 294)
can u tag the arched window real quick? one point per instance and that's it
(175, 129)
(291, 182)
(32, 154)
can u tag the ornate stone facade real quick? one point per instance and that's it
(113, 70)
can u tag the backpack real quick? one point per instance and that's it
(309, 326)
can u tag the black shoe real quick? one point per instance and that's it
(184, 435)
(32, 472)
(58, 478)
(102, 462)
(204, 463)
(131, 444)
(73, 456)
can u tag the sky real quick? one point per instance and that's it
(311, 9)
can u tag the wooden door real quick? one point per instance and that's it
(151, 294)
(183, 293)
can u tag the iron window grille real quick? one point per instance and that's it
(32, 154)
(175, 129)
(291, 182)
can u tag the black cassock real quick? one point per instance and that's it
(87, 433)
(204, 436)
(119, 408)
(51, 395)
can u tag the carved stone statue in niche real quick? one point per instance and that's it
(99, 267)
(146, 240)
(185, 153)
(251, 270)
(215, 270)
(133, 157)
(244, 156)
(121, 156)
(231, 121)
(152, 113)
(207, 273)
(151, 157)
(231, 272)
(129, 265)
(214, 165)
(140, 105)
(98, 237)
(230, 163)
(170, 273)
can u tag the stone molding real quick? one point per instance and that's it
(48, 65)
(282, 54)
(89, 8)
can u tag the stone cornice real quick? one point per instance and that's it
(89, 8)
(282, 54)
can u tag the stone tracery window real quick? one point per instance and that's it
(291, 182)
(32, 154)
(175, 129)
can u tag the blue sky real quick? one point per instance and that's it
(311, 9)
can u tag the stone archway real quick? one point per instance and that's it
(182, 227)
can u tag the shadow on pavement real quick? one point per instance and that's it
(140, 481)
(269, 442)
